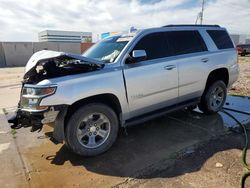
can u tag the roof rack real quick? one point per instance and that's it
(191, 25)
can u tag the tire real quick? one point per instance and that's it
(92, 129)
(213, 98)
(243, 54)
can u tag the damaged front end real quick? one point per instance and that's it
(29, 112)
(46, 65)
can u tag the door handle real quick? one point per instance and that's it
(169, 67)
(204, 60)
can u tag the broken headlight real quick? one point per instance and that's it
(32, 96)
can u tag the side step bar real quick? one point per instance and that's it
(161, 112)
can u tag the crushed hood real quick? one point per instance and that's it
(49, 54)
(56, 64)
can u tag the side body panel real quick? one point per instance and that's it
(221, 58)
(192, 75)
(195, 68)
(150, 86)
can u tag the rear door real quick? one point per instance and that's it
(191, 57)
(153, 83)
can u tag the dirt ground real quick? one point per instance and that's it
(242, 85)
(10, 86)
(178, 150)
(184, 149)
(213, 164)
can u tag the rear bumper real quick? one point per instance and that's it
(234, 71)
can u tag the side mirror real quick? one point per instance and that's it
(139, 55)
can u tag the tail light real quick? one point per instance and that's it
(237, 52)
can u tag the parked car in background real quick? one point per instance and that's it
(243, 49)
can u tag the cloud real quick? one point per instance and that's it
(21, 20)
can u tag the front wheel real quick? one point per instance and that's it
(92, 129)
(213, 98)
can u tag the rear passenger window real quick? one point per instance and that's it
(221, 39)
(154, 45)
(185, 42)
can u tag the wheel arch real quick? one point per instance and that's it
(218, 74)
(108, 99)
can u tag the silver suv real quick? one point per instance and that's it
(125, 80)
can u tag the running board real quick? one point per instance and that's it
(160, 112)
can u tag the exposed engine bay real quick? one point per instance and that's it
(49, 64)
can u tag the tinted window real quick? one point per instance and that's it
(184, 42)
(154, 45)
(221, 39)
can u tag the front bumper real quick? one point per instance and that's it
(35, 120)
(26, 119)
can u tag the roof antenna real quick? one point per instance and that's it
(200, 14)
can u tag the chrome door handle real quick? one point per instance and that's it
(204, 60)
(169, 67)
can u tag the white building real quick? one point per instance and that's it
(64, 36)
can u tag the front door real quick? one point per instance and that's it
(153, 83)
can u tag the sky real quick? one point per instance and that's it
(21, 20)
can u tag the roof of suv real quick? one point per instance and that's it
(181, 27)
(192, 25)
(185, 26)
(189, 26)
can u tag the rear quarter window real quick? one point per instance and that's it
(221, 39)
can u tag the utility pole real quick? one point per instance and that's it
(202, 10)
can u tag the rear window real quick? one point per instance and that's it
(221, 39)
(185, 42)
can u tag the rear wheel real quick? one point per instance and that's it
(213, 98)
(92, 129)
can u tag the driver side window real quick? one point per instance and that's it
(154, 44)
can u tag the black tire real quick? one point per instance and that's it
(243, 53)
(206, 105)
(75, 121)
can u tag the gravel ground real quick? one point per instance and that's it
(242, 86)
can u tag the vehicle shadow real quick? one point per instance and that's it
(150, 148)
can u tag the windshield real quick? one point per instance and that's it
(108, 49)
